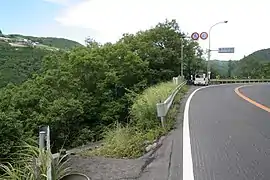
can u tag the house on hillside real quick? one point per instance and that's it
(4, 39)
(24, 42)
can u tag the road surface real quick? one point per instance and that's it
(229, 136)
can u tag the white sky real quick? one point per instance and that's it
(247, 29)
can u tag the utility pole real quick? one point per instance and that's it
(182, 58)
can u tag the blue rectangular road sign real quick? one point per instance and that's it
(226, 50)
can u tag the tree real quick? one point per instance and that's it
(90, 42)
(230, 68)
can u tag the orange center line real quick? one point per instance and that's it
(236, 90)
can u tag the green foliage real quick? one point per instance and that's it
(18, 64)
(11, 132)
(81, 92)
(143, 110)
(120, 142)
(255, 65)
(129, 141)
(31, 163)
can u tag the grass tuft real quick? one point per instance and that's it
(32, 164)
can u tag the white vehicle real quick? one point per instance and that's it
(201, 79)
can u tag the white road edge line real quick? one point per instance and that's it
(187, 156)
(188, 173)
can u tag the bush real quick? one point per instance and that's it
(10, 132)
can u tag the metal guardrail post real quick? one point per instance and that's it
(161, 112)
(42, 135)
(177, 80)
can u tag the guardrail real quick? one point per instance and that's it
(163, 107)
(223, 81)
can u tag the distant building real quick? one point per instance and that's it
(4, 39)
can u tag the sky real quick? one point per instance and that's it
(106, 20)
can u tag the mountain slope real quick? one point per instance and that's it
(18, 64)
(219, 67)
(261, 56)
(21, 56)
(254, 65)
(59, 43)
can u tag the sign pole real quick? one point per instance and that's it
(208, 57)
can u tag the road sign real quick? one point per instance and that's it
(195, 36)
(226, 50)
(204, 35)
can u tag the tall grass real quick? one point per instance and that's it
(143, 112)
(130, 141)
(32, 163)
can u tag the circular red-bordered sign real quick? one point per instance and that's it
(195, 36)
(204, 35)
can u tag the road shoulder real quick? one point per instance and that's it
(163, 163)
(168, 159)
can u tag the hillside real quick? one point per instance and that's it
(219, 67)
(255, 65)
(21, 56)
(18, 64)
(223, 69)
(59, 43)
(262, 56)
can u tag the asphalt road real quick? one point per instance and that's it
(260, 94)
(230, 137)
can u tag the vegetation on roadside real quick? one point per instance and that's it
(81, 93)
(31, 163)
(129, 141)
